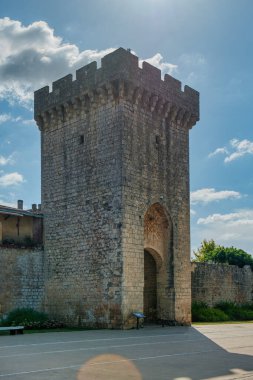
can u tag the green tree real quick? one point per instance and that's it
(209, 251)
(204, 252)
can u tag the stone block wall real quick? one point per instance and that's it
(212, 283)
(156, 172)
(21, 279)
(22, 284)
(81, 176)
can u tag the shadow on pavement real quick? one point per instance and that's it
(196, 357)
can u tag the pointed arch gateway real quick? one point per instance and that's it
(158, 294)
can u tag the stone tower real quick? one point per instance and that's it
(115, 193)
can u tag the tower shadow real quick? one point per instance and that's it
(185, 354)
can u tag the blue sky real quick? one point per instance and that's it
(207, 44)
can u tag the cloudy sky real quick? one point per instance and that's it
(207, 44)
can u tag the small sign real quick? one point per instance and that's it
(137, 314)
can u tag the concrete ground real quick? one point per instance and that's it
(152, 353)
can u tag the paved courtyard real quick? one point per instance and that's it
(152, 353)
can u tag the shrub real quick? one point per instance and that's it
(223, 311)
(28, 242)
(197, 310)
(247, 306)
(23, 316)
(243, 315)
(209, 251)
(213, 315)
(49, 324)
(202, 313)
(236, 312)
(8, 241)
(227, 307)
(31, 319)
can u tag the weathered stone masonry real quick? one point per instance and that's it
(213, 283)
(115, 181)
(21, 278)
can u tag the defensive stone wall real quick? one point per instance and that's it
(22, 281)
(21, 278)
(212, 283)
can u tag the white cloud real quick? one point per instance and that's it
(32, 57)
(227, 229)
(208, 195)
(7, 117)
(218, 151)
(6, 160)
(4, 117)
(240, 217)
(157, 61)
(11, 179)
(237, 148)
(241, 148)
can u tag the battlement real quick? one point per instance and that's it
(119, 76)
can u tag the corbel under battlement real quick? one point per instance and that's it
(119, 77)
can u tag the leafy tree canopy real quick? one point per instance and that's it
(209, 251)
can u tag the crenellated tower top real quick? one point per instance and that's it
(119, 77)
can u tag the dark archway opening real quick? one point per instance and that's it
(150, 287)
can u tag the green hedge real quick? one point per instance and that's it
(235, 312)
(30, 318)
(222, 311)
